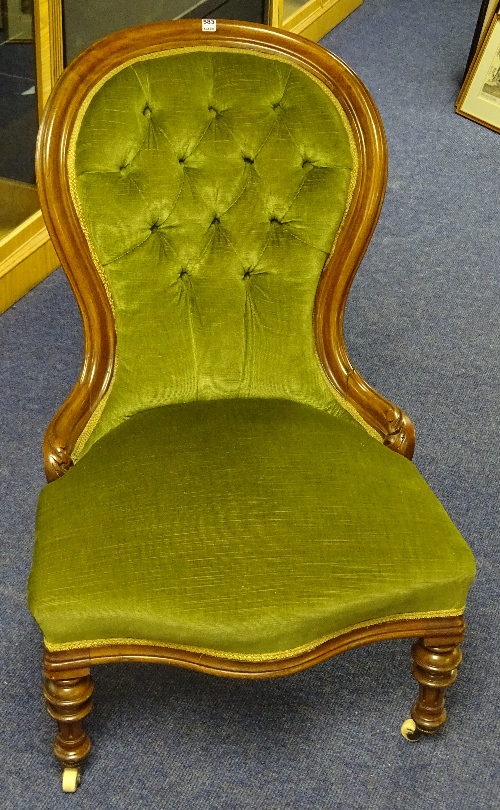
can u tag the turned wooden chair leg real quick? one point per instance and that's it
(68, 701)
(435, 668)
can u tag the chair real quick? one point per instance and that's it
(226, 493)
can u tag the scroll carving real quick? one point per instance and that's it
(400, 435)
(57, 459)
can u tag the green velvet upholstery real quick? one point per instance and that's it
(247, 527)
(223, 499)
(212, 186)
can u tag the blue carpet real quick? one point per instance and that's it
(422, 325)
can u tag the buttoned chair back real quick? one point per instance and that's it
(211, 201)
(226, 183)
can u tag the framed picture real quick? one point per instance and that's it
(486, 14)
(479, 97)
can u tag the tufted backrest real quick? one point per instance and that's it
(211, 185)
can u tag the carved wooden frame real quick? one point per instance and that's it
(68, 685)
(71, 245)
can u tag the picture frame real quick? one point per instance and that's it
(479, 98)
(486, 13)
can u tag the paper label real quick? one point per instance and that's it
(209, 25)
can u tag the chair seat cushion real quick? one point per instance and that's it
(247, 528)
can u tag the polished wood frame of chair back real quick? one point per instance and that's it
(66, 232)
(68, 686)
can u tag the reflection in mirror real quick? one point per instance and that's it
(86, 21)
(18, 115)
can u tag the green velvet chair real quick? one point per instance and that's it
(226, 492)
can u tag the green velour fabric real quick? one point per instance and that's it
(244, 526)
(211, 186)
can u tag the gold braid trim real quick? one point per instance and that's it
(91, 424)
(234, 656)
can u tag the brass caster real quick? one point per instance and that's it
(70, 779)
(410, 731)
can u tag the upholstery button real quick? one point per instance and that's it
(248, 160)
(183, 273)
(215, 221)
(182, 160)
(275, 220)
(247, 274)
(154, 227)
(147, 111)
